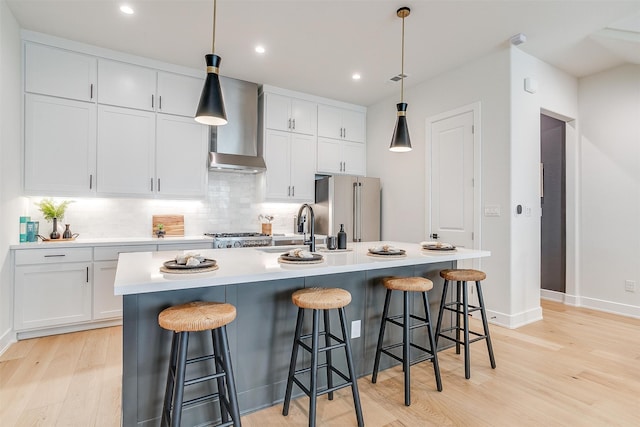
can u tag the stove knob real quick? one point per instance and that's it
(221, 245)
(237, 244)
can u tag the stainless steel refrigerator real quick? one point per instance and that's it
(350, 200)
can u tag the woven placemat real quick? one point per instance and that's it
(439, 251)
(333, 251)
(284, 261)
(387, 256)
(188, 271)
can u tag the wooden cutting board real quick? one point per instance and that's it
(173, 224)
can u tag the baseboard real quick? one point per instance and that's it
(552, 295)
(8, 338)
(513, 321)
(610, 307)
(66, 329)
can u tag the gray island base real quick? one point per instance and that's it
(261, 337)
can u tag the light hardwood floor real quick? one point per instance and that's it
(576, 367)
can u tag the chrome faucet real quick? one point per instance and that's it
(301, 220)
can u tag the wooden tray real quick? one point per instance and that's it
(173, 224)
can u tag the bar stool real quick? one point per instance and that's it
(462, 307)
(196, 317)
(321, 299)
(407, 285)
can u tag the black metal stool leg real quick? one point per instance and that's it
(465, 313)
(327, 342)
(485, 325)
(181, 366)
(458, 299)
(432, 342)
(385, 313)
(313, 385)
(292, 365)
(352, 371)
(406, 350)
(228, 369)
(217, 364)
(441, 311)
(168, 394)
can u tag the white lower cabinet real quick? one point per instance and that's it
(51, 288)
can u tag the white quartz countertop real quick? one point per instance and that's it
(140, 272)
(111, 241)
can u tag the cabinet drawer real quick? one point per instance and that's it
(110, 253)
(52, 255)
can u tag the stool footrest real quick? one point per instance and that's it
(471, 308)
(204, 378)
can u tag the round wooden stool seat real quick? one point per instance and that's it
(196, 316)
(321, 298)
(410, 284)
(463, 275)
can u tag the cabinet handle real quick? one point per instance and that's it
(158, 185)
(151, 184)
(151, 100)
(160, 102)
(90, 181)
(293, 191)
(294, 124)
(344, 134)
(289, 191)
(91, 91)
(344, 166)
(289, 125)
(87, 274)
(54, 256)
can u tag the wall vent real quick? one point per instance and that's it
(398, 77)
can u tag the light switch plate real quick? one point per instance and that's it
(492, 210)
(355, 329)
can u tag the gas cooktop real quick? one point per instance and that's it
(239, 240)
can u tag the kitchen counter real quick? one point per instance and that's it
(261, 336)
(140, 272)
(110, 241)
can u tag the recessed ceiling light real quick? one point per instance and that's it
(355, 76)
(126, 9)
(260, 49)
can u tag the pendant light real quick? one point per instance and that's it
(211, 107)
(401, 141)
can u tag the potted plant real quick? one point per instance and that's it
(53, 212)
(160, 232)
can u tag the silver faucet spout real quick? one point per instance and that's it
(312, 220)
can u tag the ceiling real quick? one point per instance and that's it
(315, 46)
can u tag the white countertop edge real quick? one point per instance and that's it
(111, 241)
(139, 273)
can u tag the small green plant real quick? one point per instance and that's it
(52, 210)
(160, 227)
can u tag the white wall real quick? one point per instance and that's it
(10, 160)
(403, 174)
(557, 92)
(609, 106)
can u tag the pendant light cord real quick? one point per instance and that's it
(402, 66)
(213, 41)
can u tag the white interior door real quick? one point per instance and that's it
(452, 180)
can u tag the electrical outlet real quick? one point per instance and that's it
(630, 285)
(355, 329)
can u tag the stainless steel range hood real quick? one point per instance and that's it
(234, 146)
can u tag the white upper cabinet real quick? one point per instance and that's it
(178, 94)
(59, 146)
(181, 157)
(290, 160)
(57, 72)
(126, 164)
(341, 157)
(126, 85)
(341, 123)
(290, 114)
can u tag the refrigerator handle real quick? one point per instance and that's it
(356, 208)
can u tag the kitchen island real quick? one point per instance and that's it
(260, 338)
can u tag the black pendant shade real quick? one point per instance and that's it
(211, 107)
(401, 141)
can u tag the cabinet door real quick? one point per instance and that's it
(329, 122)
(277, 112)
(181, 157)
(52, 294)
(60, 141)
(303, 166)
(126, 85)
(106, 305)
(125, 151)
(61, 73)
(304, 117)
(278, 160)
(329, 155)
(354, 158)
(178, 94)
(354, 126)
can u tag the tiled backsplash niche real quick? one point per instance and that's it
(233, 203)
